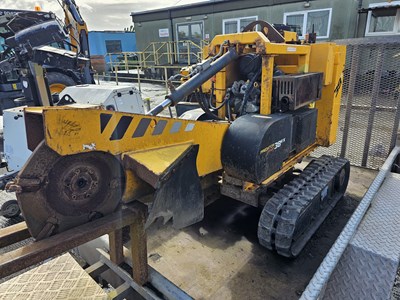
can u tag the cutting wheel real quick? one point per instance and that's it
(56, 192)
(78, 184)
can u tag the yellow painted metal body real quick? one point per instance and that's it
(73, 131)
(327, 58)
(76, 130)
(330, 59)
(290, 36)
(155, 161)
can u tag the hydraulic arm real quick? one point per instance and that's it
(78, 33)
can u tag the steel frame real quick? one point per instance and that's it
(132, 215)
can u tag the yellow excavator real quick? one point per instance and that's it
(57, 76)
(264, 102)
(79, 41)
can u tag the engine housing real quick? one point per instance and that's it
(255, 146)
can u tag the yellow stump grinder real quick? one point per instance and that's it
(256, 106)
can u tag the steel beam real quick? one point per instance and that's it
(115, 240)
(13, 234)
(39, 251)
(138, 247)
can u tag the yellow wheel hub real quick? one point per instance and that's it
(57, 88)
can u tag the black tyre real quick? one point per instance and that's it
(10, 209)
(58, 81)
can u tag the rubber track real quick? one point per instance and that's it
(287, 216)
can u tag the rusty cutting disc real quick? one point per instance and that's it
(56, 192)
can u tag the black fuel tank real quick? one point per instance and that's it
(255, 146)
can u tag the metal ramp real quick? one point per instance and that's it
(59, 278)
(364, 260)
(368, 267)
(63, 278)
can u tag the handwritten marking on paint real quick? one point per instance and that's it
(70, 128)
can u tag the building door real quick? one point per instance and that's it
(189, 37)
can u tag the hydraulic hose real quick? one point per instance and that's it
(248, 91)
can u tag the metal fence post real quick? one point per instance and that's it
(396, 128)
(154, 54)
(138, 78)
(175, 46)
(188, 52)
(126, 63)
(350, 95)
(169, 53)
(116, 74)
(166, 80)
(374, 98)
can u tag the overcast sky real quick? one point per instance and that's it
(98, 14)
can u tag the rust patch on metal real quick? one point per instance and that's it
(260, 46)
(133, 215)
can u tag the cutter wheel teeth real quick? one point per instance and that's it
(295, 212)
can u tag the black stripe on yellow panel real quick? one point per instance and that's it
(104, 119)
(159, 127)
(121, 128)
(142, 127)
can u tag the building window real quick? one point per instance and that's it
(190, 31)
(383, 19)
(113, 46)
(236, 25)
(306, 21)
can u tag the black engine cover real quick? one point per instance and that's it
(304, 128)
(255, 146)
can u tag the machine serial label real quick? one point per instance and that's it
(273, 146)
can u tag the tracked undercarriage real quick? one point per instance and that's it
(294, 213)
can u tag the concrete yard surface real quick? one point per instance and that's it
(220, 258)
